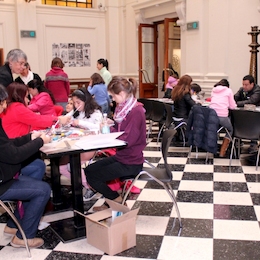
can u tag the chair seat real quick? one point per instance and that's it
(159, 173)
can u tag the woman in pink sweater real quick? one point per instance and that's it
(42, 99)
(222, 99)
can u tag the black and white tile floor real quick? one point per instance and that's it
(219, 206)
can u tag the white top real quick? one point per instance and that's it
(91, 123)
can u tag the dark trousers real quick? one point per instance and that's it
(108, 169)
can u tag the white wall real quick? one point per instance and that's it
(219, 48)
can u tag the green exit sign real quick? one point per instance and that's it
(193, 26)
(28, 34)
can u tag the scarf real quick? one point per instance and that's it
(27, 78)
(123, 109)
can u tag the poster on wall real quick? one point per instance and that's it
(72, 54)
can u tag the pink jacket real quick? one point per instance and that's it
(43, 104)
(222, 99)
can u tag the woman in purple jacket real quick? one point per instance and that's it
(129, 117)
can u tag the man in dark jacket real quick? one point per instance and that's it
(249, 93)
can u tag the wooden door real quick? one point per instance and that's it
(148, 70)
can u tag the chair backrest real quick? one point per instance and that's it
(246, 124)
(148, 106)
(166, 141)
(158, 111)
(169, 115)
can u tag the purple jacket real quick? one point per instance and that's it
(134, 127)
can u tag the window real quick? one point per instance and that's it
(70, 3)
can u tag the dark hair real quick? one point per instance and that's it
(223, 82)
(3, 93)
(97, 79)
(195, 87)
(27, 65)
(38, 84)
(182, 87)
(250, 78)
(103, 62)
(90, 103)
(16, 93)
(57, 62)
(118, 84)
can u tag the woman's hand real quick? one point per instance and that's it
(46, 138)
(75, 122)
(35, 134)
(64, 120)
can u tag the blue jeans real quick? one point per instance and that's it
(35, 195)
(35, 169)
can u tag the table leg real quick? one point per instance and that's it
(76, 185)
(55, 181)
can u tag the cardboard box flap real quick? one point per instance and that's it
(117, 207)
(130, 214)
(100, 215)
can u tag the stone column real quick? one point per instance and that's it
(254, 45)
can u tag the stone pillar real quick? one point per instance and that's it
(254, 45)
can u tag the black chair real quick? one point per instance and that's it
(148, 106)
(162, 176)
(157, 116)
(11, 214)
(246, 125)
(168, 123)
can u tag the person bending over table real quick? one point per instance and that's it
(14, 186)
(129, 117)
(18, 119)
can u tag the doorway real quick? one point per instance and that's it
(159, 56)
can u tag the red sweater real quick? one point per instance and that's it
(43, 104)
(58, 83)
(18, 120)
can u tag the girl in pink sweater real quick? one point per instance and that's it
(222, 99)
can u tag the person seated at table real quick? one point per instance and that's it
(98, 89)
(249, 93)
(42, 99)
(14, 186)
(18, 120)
(26, 75)
(182, 98)
(172, 82)
(129, 117)
(86, 114)
(196, 94)
(222, 99)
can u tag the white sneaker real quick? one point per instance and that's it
(89, 195)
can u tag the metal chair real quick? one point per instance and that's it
(6, 208)
(246, 126)
(162, 176)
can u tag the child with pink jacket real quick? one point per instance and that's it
(222, 99)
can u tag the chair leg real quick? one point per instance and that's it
(231, 153)
(169, 191)
(257, 159)
(18, 225)
(173, 197)
(160, 132)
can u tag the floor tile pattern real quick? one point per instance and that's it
(219, 206)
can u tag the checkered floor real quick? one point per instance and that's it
(219, 206)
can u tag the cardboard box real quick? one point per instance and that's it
(115, 236)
